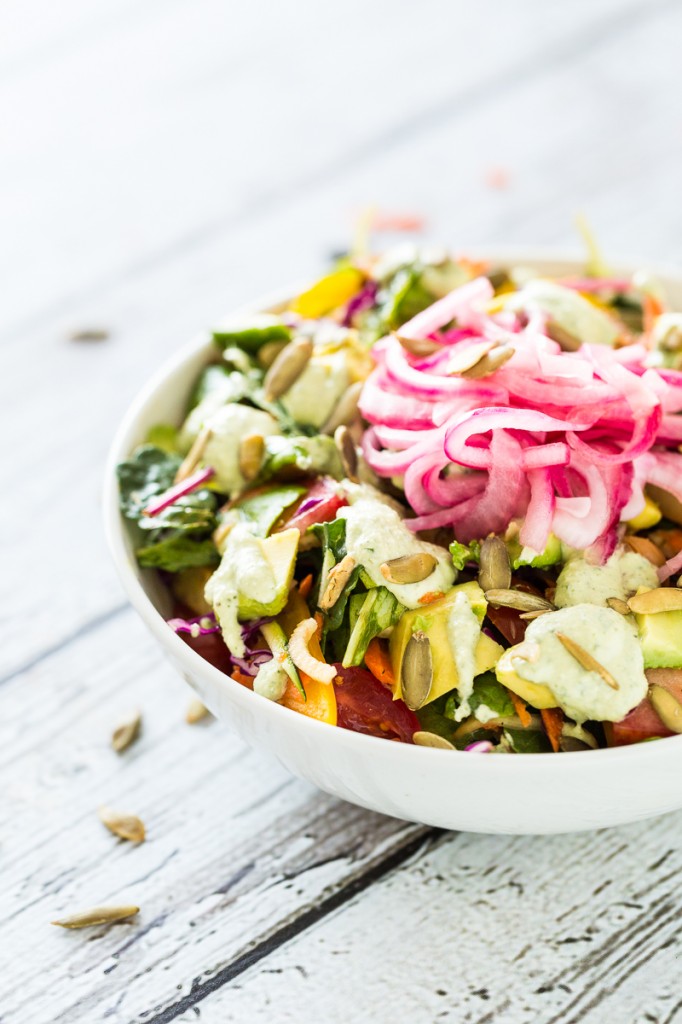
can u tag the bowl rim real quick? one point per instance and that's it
(129, 576)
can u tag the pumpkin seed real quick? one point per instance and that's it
(96, 915)
(268, 352)
(618, 606)
(346, 448)
(466, 357)
(567, 342)
(646, 548)
(89, 334)
(346, 409)
(193, 457)
(432, 739)
(251, 452)
(196, 711)
(126, 732)
(336, 580)
(125, 826)
(489, 363)
(667, 707)
(662, 599)
(519, 600)
(417, 670)
(495, 570)
(409, 568)
(585, 659)
(419, 347)
(287, 368)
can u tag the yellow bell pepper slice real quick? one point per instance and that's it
(329, 292)
(320, 700)
(648, 517)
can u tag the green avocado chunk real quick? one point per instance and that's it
(660, 636)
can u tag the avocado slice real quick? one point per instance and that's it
(660, 636)
(279, 551)
(518, 555)
(433, 620)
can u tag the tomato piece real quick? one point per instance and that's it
(319, 505)
(365, 706)
(642, 723)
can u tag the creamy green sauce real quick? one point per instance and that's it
(621, 576)
(271, 680)
(312, 398)
(584, 695)
(485, 714)
(230, 389)
(569, 310)
(464, 631)
(376, 533)
(245, 572)
(230, 424)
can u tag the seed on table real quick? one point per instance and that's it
(126, 732)
(125, 826)
(97, 915)
(196, 712)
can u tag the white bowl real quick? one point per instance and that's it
(524, 793)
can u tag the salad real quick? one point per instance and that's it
(434, 501)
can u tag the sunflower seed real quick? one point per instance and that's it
(126, 732)
(196, 711)
(419, 347)
(409, 568)
(89, 334)
(567, 342)
(336, 581)
(251, 452)
(495, 570)
(529, 616)
(96, 915)
(346, 409)
(489, 363)
(667, 707)
(646, 548)
(518, 599)
(346, 448)
(465, 357)
(126, 826)
(432, 739)
(585, 659)
(618, 606)
(287, 368)
(268, 352)
(193, 457)
(417, 670)
(662, 599)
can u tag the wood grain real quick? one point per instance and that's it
(160, 163)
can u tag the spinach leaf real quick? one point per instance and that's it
(179, 537)
(379, 610)
(486, 691)
(250, 336)
(296, 456)
(178, 551)
(527, 741)
(264, 508)
(463, 553)
(163, 436)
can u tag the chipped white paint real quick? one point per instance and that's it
(261, 899)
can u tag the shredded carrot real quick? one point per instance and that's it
(652, 309)
(433, 595)
(553, 721)
(241, 677)
(521, 709)
(319, 619)
(378, 661)
(305, 585)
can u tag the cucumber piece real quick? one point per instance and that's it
(276, 639)
(379, 610)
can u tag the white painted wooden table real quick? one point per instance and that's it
(160, 161)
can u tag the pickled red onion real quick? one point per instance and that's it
(565, 440)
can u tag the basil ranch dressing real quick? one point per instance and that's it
(242, 571)
(464, 631)
(584, 695)
(271, 680)
(229, 425)
(376, 533)
(621, 576)
(313, 396)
